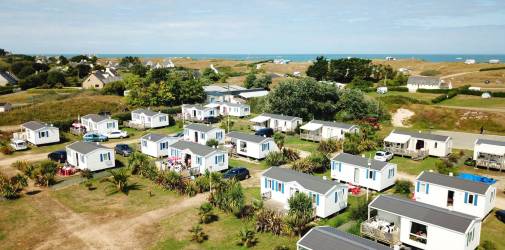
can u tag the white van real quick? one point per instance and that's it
(17, 144)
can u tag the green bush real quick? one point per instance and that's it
(403, 187)
(430, 72)
(398, 89)
(275, 158)
(489, 69)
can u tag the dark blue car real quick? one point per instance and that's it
(237, 173)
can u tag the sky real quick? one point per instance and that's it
(253, 26)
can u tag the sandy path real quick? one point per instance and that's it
(400, 116)
(458, 74)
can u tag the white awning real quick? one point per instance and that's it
(212, 105)
(397, 138)
(311, 126)
(260, 119)
(253, 94)
(491, 149)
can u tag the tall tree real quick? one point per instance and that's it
(319, 69)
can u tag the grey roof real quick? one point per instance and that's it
(239, 105)
(199, 127)
(426, 136)
(197, 106)
(85, 147)
(106, 77)
(330, 238)
(454, 182)
(416, 210)
(154, 137)
(246, 137)
(196, 148)
(360, 161)
(34, 125)
(424, 80)
(308, 181)
(95, 117)
(491, 142)
(147, 112)
(334, 124)
(280, 117)
(9, 77)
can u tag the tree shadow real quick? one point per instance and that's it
(33, 192)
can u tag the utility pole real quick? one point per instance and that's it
(228, 111)
(368, 168)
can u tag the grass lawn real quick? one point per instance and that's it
(296, 143)
(415, 167)
(234, 162)
(419, 96)
(492, 230)
(33, 96)
(475, 101)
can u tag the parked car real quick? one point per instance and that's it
(180, 134)
(383, 156)
(268, 132)
(239, 173)
(470, 162)
(58, 156)
(123, 149)
(117, 134)
(211, 119)
(94, 137)
(18, 144)
(500, 214)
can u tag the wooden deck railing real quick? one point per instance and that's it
(490, 164)
(392, 238)
(414, 154)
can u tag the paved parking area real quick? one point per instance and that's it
(463, 140)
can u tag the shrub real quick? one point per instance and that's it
(430, 72)
(487, 245)
(398, 89)
(6, 150)
(403, 187)
(300, 213)
(446, 167)
(279, 139)
(247, 238)
(268, 220)
(212, 143)
(10, 188)
(329, 146)
(197, 234)
(202, 183)
(290, 154)
(319, 161)
(303, 165)
(281, 247)
(359, 212)
(489, 69)
(275, 158)
(206, 214)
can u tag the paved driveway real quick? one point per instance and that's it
(462, 140)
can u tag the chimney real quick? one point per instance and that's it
(451, 174)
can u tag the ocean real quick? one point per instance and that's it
(307, 57)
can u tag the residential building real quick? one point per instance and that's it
(253, 146)
(156, 145)
(489, 153)
(90, 155)
(99, 123)
(283, 123)
(198, 112)
(317, 130)
(403, 222)
(363, 172)
(279, 184)
(7, 78)
(330, 238)
(426, 82)
(5, 106)
(199, 133)
(146, 118)
(232, 109)
(38, 133)
(417, 145)
(98, 79)
(199, 158)
(471, 197)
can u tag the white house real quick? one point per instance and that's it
(90, 155)
(99, 123)
(279, 184)
(149, 119)
(276, 122)
(330, 238)
(489, 153)
(456, 194)
(253, 146)
(400, 221)
(156, 145)
(202, 133)
(199, 158)
(5, 106)
(38, 133)
(232, 109)
(363, 172)
(197, 112)
(317, 130)
(417, 144)
(426, 82)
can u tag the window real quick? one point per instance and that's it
(391, 173)
(423, 187)
(111, 125)
(270, 184)
(219, 135)
(163, 118)
(173, 152)
(418, 232)
(105, 157)
(163, 145)
(219, 159)
(436, 144)
(198, 160)
(336, 197)
(144, 143)
(202, 135)
(148, 119)
(43, 134)
(83, 159)
(279, 186)
(265, 146)
(470, 236)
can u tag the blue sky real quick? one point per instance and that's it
(253, 27)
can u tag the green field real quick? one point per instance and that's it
(419, 96)
(475, 101)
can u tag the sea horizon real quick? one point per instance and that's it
(482, 58)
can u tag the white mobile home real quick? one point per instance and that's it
(279, 184)
(489, 154)
(330, 238)
(317, 130)
(90, 155)
(199, 158)
(426, 82)
(417, 144)
(401, 221)
(146, 118)
(198, 112)
(360, 171)
(232, 109)
(5, 106)
(156, 145)
(38, 133)
(282, 123)
(99, 123)
(253, 146)
(456, 194)
(202, 133)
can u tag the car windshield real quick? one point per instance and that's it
(379, 154)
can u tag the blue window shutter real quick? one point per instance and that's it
(418, 186)
(332, 165)
(427, 188)
(101, 157)
(109, 156)
(317, 199)
(336, 197)
(215, 159)
(373, 175)
(475, 199)
(266, 182)
(367, 173)
(466, 197)
(282, 187)
(340, 167)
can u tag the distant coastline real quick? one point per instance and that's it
(307, 57)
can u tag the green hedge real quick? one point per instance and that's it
(489, 69)
(121, 117)
(6, 90)
(444, 97)
(434, 91)
(398, 89)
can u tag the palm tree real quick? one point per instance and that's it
(10, 188)
(300, 212)
(205, 213)
(247, 238)
(197, 234)
(141, 165)
(118, 180)
(279, 139)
